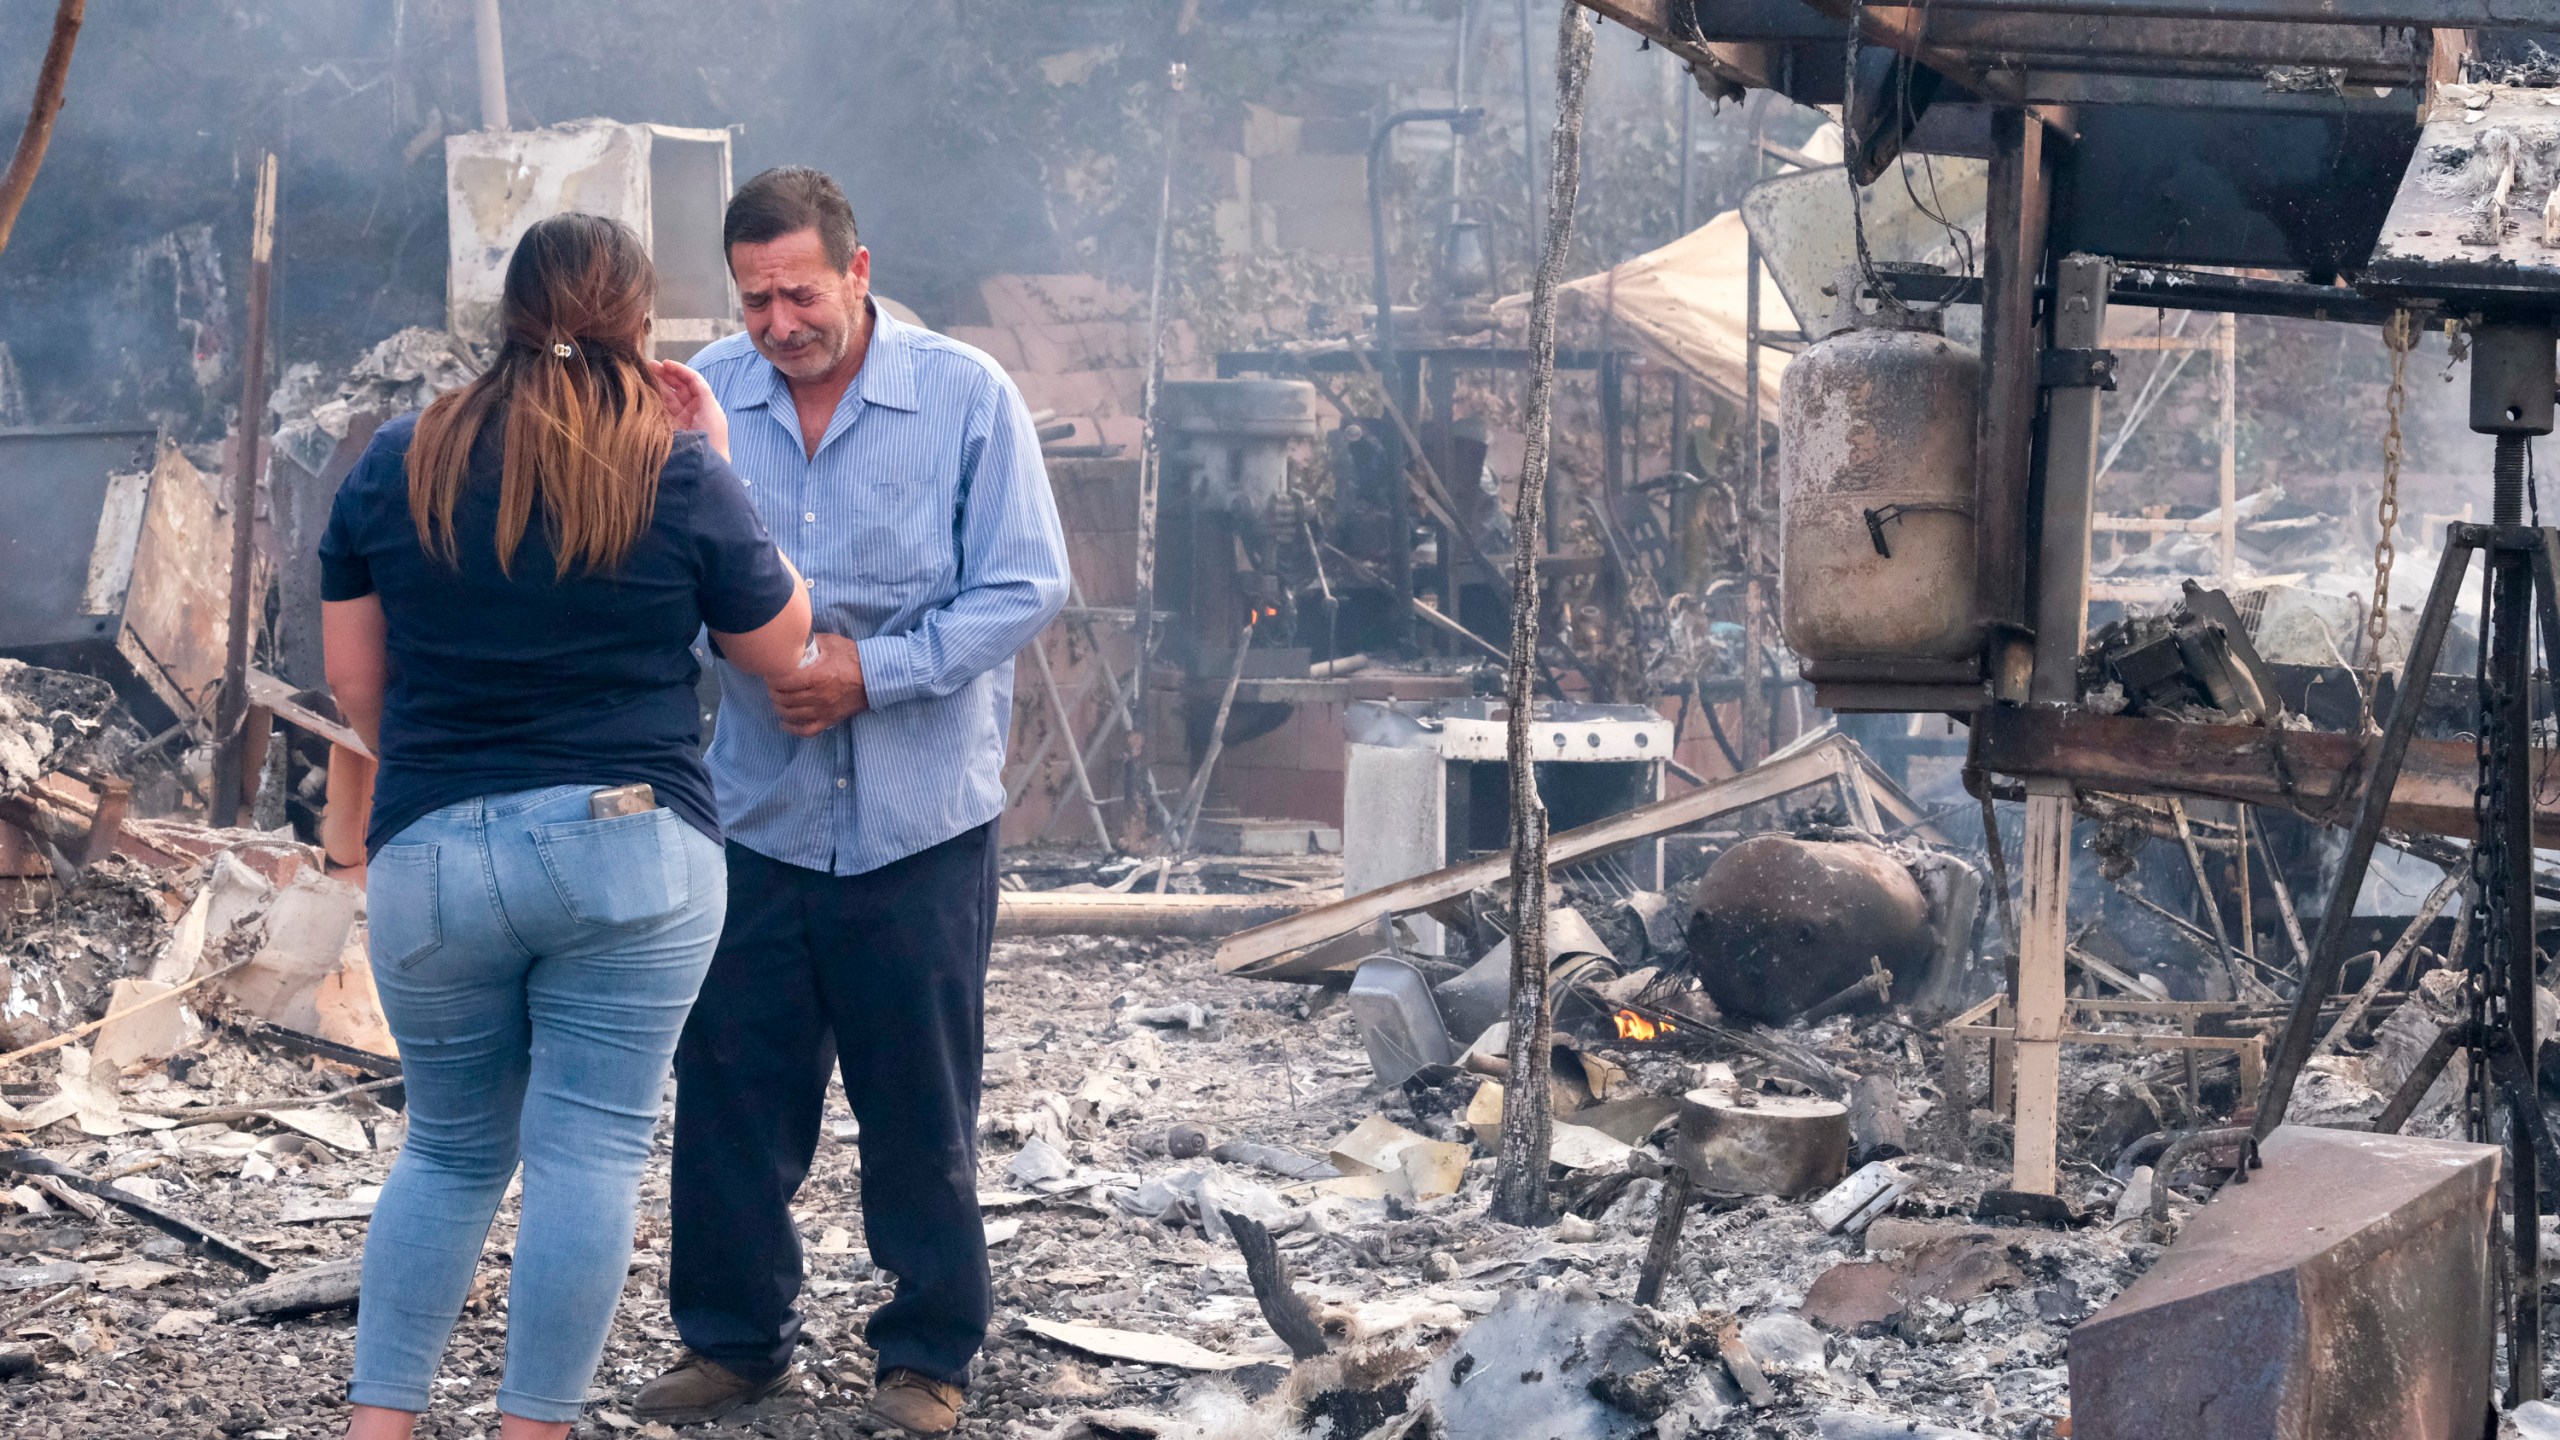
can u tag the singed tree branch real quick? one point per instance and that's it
(40, 116)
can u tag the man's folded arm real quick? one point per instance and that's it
(1013, 570)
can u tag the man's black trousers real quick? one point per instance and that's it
(883, 975)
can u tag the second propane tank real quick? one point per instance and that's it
(1875, 477)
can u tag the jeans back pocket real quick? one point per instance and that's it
(402, 924)
(621, 871)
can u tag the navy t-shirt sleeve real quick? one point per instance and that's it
(345, 571)
(743, 582)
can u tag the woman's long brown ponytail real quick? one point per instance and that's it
(586, 434)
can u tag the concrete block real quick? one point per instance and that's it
(2343, 1293)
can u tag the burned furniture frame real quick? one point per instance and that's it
(1991, 1021)
(2267, 134)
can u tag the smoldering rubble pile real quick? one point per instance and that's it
(1221, 1206)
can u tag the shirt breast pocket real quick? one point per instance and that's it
(902, 541)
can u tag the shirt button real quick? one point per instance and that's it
(811, 517)
(840, 782)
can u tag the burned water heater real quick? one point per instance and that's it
(1875, 477)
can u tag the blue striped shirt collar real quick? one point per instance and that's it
(887, 376)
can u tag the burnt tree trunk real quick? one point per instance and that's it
(1520, 1180)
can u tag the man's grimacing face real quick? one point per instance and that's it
(802, 313)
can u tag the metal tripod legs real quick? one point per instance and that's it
(2521, 563)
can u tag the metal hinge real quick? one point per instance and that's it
(2076, 369)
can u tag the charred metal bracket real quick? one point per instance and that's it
(2188, 1146)
(1884, 515)
(2076, 369)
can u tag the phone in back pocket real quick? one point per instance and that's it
(621, 800)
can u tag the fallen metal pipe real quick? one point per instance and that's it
(1025, 913)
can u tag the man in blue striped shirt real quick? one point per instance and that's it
(899, 470)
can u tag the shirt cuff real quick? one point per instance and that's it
(888, 670)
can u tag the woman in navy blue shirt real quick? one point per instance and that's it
(513, 583)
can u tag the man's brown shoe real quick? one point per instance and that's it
(914, 1403)
(698, 1389)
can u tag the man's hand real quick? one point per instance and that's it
(824, 693)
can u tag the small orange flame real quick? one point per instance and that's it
(1632, 1026)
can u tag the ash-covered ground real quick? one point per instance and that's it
(1971, 1337)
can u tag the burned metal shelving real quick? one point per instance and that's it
(2127, 141)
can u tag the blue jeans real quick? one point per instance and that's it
(536, 967)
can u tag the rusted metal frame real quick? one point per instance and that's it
(2243, 46)
(2248, 1050)
(2081, 83)
(2061, 604)
(2422, 1077)
(1075, 755)
(2224, 950)
(1196, 794)
(1903, 29)
(2008, 40)
(2328, 952)
(2103, 1006)
(2235, 1044)
(2389, 962)
(2020, 186)
(1955, 1081)
(2419, 14)
(1659, 21)
(2312, 773)
(1029, 770)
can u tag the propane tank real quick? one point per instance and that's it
(1875, 477)
(1783, 924)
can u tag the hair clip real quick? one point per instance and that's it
(563, 349)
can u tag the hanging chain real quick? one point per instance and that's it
(2489, 862)
(2399, 333)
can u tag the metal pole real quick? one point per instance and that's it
(493, 66)
(232, 711)
(1688, 198)
(1529, 131)
(1134, 785)
(1458, 97)
(1755, 700)
(1395, 376)
(2227, 358)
